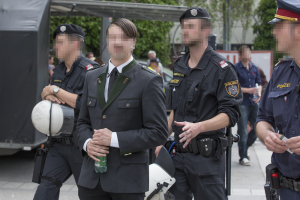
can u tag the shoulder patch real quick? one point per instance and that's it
(232, 88)
(223, 64)
(148, 70)
(96, 67)
(89, 67)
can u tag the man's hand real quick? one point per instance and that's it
(54, 99)
(257, 100)
(294, 144)
(273, 143)
(93, 149)
(47, 91)
(102, 137)
(191, 130)
(157, 150)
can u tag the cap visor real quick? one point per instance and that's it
(275, 20)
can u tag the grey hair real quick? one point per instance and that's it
(152, 52)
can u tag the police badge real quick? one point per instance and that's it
(232, 88)
(194, 12)
(63, 28)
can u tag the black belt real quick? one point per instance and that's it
(63, 140)
(293, 184)
(206, 147)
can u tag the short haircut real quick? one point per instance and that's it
(152, 52)
(242, 49)
(127, 26)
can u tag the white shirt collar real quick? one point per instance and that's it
(119, 68)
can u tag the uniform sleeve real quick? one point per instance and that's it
(84, 127)
(229, 95)
(265, 110)
(80, 90)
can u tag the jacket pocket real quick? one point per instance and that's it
(128, 103)
(91, 101)
(280, 100)
(174, 93)
(137, 157)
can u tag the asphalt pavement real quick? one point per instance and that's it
(247, 181)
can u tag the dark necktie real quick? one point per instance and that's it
(112, 79)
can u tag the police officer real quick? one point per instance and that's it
(64, 158)
(204, 96)
(279, 108)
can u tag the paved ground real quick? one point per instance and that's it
(16, 172)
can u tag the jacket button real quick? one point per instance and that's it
(90, 103)
(127, 105)
(103, 116)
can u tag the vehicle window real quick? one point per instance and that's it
(167, 77)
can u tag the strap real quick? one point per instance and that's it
(159, 187)
(52, 180)
(50, 134)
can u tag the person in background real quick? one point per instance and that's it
(248, 76)
(50, 67)
(154, 65)
(152, 54)
(90, 55)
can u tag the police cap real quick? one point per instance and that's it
(68, 29)
(287, 10)
(155, 60)
(194, 13)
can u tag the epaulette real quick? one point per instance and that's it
(178, 58)
(93, 68)
(148, 70)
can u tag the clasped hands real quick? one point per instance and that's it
(47, 94)
(100, 143)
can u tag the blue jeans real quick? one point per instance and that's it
(249, 113)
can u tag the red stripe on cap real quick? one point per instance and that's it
(288, 13)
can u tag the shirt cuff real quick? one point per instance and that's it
(87, 141)
(114, 142)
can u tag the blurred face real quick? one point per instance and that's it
(285, 33)
(150, 56)
(246, 56)
(51, 61)
(64, 47)
(193, 35)
(120, 46)
(90, 56)
(154, 66)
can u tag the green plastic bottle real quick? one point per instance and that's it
(100, 166)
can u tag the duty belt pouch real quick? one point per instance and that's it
(273, 176)
(39, 162)
(222, 144)
(206, 147)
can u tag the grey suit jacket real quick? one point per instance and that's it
(135, 109)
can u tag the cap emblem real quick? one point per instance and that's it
(63, 28)
(194, 12)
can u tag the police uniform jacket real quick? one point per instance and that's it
(202, 93)
(135, 110)
(73, 80)
(279, 107)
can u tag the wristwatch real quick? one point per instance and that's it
(55, 90)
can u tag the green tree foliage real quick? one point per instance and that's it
(153, 35)
(240, 11)
(264, 39)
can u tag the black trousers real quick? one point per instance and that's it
(198, 176)
(62, 161)
(99, 194)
